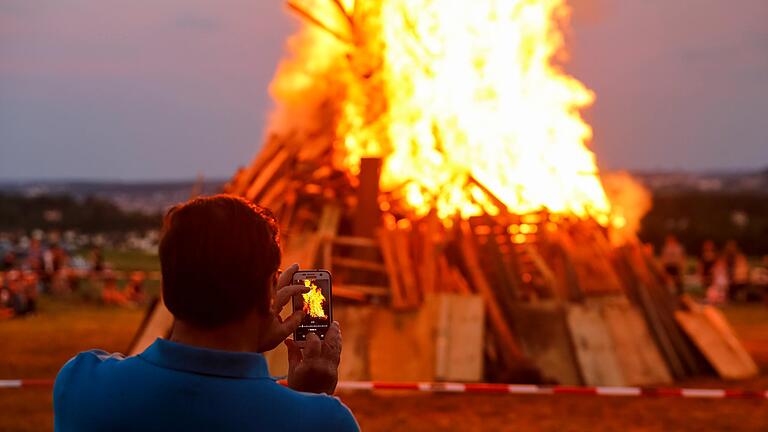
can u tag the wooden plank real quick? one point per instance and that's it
(662, 336)
(404, 258)
(344, 292)
(594, 273)
(275, 194)
(460, 334)
(302, 249)
(594, 348)
(720, 324)
(329, 221)
(510, 349)
(402, 344)
(639, 357)
(545, 339)
(543, 268)
(428, 256)
(265, 175)
(728, 363)
(663, 306)
(355, 263)
(460, 281)
(245, 177)
(368, 289)
(367, 212)
(356, 322)
(451, 278)
(355, 241)
(391, 263)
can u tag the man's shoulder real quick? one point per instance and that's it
(88, 364)
(322, 409)
(90, 358)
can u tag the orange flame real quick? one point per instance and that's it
(460, 99)
(313, 300)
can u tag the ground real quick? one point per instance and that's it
(37, 346)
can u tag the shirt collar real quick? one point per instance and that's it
(188, 358)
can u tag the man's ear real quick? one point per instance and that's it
(272, 285)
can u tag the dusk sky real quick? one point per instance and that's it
(166, 89)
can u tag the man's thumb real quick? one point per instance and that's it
(294, 354)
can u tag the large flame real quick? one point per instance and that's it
(463, 100)
(313, 300)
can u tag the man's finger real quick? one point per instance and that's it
(332, 340)
(313, 347)
(291, 323)
(287, 276)
(294, 354)
(283, 295)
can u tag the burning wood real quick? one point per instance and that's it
(458, 125)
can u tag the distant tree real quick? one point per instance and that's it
(63, 212)
(719, 216)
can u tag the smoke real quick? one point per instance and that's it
(630, 201)
(588, 11)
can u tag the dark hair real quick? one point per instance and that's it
(217, 255)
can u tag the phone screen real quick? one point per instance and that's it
(316, 304)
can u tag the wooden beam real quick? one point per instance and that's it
(264, 176)
(355, 241)
(510, 349)
(360, 264)
(393, 271)
(367, 214)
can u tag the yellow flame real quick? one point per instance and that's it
(459, 98)
(313, 300)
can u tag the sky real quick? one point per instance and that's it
(169, 89)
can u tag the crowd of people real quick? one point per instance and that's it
(724, 274)
(34, 266)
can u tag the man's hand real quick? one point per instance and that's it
(278, 329)
(316, 369)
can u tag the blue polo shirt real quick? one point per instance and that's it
(173, 386)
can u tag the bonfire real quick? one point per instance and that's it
(427, 147)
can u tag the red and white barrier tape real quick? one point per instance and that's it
(26, 383)
(549, 390)
(448, 387)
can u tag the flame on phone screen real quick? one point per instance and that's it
(314, 300)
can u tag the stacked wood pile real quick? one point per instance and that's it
(562, 304)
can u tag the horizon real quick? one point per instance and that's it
(168, 92)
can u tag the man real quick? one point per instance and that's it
(219, 258)
(673, 261)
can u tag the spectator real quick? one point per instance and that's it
(717, 292)
(707, 260)
(740, 278)
(97, 260)
(19, 302)
(219, 258)
(673, 261)
(9, 261)
(110, 293)
(134, 289)
(5, 300)
(730, 255)
(30, 290)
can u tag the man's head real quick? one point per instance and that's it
(219, 256)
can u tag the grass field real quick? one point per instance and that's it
(37, 346)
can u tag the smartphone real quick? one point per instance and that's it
(317, 303)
